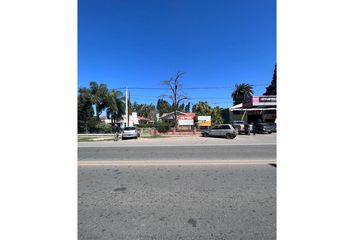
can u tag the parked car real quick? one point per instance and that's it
(263, 128)
(222, 130)
(130, 132)
(241, 126)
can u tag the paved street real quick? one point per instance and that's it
(260, 152)
(178, 201)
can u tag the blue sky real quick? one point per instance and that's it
(140, 43)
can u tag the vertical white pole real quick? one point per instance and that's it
(126, 107)
(243, 115)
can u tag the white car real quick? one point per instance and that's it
(130, 132)
(222, 130)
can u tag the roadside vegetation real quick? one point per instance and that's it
(97, 100)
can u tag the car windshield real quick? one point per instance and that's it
(129, 128)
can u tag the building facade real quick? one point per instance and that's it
(255, 109)
(185, 121)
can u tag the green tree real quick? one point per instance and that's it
(99, 94)
(116, 106)
(216, 117)
(85, 110)
(181, 107)
(272, 88)
(151, 112)
(135, 107)
(144, 110)
(187, 108)
(202, 108)
(163, 106)
(241, 93)
(98, 97)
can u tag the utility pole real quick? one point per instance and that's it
(126, 108)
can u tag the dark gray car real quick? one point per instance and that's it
(264, 128)
(222, 130)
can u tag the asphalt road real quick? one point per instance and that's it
(177, 202)
(213, 199)
(178, 152)
(243, 147)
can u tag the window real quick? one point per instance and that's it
(225, 127)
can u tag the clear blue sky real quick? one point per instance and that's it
(140, 43)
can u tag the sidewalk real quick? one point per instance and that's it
(110, 136)
(192, 140)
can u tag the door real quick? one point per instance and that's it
(214, 131)
(223, 130)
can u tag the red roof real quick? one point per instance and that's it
(185, 116)
(180, 115)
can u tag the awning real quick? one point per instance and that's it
(236, 107)
(250, 109)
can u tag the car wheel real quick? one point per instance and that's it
(228, 136)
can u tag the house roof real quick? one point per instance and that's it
(179, 113)
(144, 119)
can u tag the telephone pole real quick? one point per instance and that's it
(126, 108)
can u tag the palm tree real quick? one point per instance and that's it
(99, 95)
(242, 92)
(85, 109)
(115, 105)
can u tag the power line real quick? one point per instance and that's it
(190, 88)
(191, 98)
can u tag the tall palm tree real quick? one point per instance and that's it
(242, 92)
(99, 95)
(115, 105)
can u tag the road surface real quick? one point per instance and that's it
(176, 200)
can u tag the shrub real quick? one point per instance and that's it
(89, 126)
(145, 125)
(103, 127)
(162, 126)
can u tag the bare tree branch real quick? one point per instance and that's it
(175, 86)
